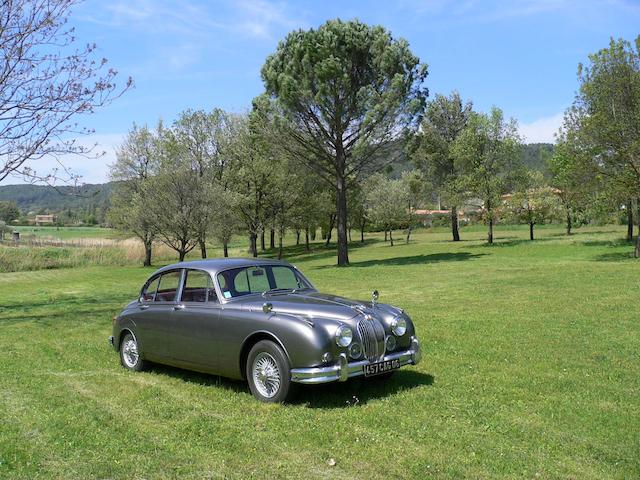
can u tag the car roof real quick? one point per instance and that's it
(215, 265)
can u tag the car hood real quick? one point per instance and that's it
(320, 305)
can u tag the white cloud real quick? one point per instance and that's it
(542, 130)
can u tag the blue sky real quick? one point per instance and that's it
(519, 55)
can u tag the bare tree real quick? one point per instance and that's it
(46, 82)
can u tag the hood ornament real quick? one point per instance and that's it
(374, 298)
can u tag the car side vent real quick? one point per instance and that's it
(372, 334)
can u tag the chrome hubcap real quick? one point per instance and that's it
(266, 375)
(130, 353)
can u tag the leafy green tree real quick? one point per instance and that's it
(256, 161)
(224, 218)
(534, 202)
(175, 204)
(444, 120)
(138, 161)
(203, 142)
(9, 211)
(488, 155)
(416, 194)
(349, 91)
(571, 173)
(387, 201)
(609, 100)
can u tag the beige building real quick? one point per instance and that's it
(46, 219)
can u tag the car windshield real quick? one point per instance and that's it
(237, 282)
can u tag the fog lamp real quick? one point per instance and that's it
(391, 343)
(355, 350)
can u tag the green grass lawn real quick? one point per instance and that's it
(531, 369)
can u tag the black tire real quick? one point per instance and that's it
(131, 359)
(263, 357)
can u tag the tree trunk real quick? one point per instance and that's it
(306, 239)
(297, 236)
(630, 221)
(569, 222)
(362, 224)
(280, 246)
(253, 247)
(408, 234)
(181, 255)
(314, 232)
(454, 224)
(349, 230)
(203, 248)
(341, 210)
(490, 232)
(332, 219)
(147, 253)
(262, 245)
(225, 248)
(391, 236)
(637, 251)
(531, 230)
(386, 234)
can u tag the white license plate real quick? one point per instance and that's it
(381, 367)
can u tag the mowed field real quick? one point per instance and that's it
(531, 369)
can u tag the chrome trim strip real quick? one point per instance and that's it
(343, 370)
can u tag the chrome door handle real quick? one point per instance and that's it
(178, 307)
(143, 307)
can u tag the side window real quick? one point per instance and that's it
(168, 286)
(149, 290)
(198, 287)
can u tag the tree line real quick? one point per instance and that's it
(341, 103)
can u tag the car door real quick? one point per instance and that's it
(195, 339)
(154, 319)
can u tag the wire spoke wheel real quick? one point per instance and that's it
(266, 375)
(130, 353)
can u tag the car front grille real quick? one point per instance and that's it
(372, 335)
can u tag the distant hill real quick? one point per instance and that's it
(34, 198)
(535, 156)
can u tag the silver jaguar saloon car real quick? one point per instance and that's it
(262, 321)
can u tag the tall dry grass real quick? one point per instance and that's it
(40, 254)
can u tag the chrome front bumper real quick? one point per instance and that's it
(344, 370)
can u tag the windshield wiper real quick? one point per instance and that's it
(278, 290)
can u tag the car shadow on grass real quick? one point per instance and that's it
(415, 259)
(354, 392)
(359, 391)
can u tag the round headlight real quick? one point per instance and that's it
(391, 343)
(355, 350)
(399, 326)
(344, 335)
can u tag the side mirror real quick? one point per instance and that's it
(374, 297)
(141, 299)
(267, 307)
